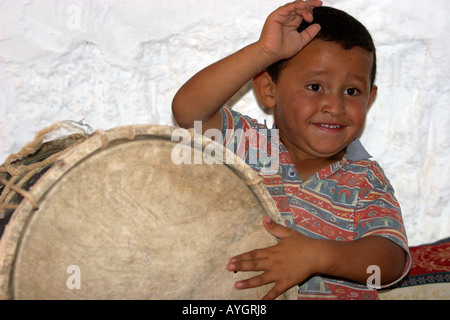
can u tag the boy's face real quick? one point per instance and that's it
(322, 97)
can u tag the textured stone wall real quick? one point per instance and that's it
(111, 63)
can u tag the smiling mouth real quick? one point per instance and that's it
(331, 126)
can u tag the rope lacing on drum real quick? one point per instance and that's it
(35, 157)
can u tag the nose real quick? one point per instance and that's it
(333, 103)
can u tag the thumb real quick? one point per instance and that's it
(275, 229)
(310, 33)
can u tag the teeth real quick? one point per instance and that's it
(330, 126)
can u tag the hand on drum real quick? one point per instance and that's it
(293, 259)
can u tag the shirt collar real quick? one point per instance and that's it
(356, 151)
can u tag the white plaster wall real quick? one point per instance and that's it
(111, 63)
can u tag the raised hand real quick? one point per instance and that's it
(280, 38)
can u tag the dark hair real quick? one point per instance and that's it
(337, 26)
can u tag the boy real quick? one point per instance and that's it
(343, 221)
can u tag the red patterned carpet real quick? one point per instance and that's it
(431, 260)
(429, 276)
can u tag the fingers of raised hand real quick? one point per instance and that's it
(303, 8)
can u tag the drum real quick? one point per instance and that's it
(116, 217)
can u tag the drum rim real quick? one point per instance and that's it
(100, 140)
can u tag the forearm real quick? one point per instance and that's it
(350, 259)
(207, 91)
(204, 94)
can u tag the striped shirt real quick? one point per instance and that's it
(348, 200)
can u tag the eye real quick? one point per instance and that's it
(352, 92)
(315, 87)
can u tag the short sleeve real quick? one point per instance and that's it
(378, 213)
(233, 120)
(251, 141)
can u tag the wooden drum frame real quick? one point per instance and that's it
(115, 218)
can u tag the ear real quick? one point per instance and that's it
(265, 89)
(372, 95)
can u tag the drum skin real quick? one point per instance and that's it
(117, 219)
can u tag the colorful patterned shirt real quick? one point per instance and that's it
(348, 200)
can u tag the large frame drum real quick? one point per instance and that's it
(115, 218)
